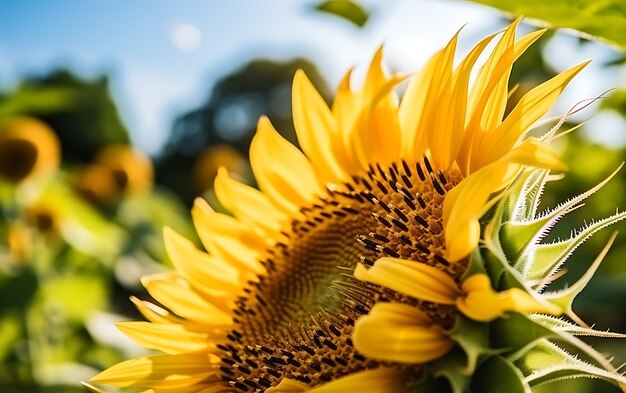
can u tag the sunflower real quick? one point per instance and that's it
(131, 169)
(29, 149)
(350, 268)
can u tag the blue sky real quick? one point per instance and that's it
(163, 56)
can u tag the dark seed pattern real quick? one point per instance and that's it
(295, 321)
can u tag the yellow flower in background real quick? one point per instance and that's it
(117, 171)
(96, 184)
(392, 189)
(131, 169)
(29, 149)
(211, 159)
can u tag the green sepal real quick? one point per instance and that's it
(473, 338)
(561, 325)
(501, 274)
(496, 373)
(516, 332)
(565, 298)
(564, 333)
(524, 195)
(476, 264)
(440, 384)
(519, 238)
(520, 209)
(459, 365)
(549, 257)
(452, 368)
(546, 363)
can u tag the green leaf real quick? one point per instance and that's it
(601, 20)
(36, 101)
(81, 226)
(78, 295)
(496, 373)
(346, 9)
(10, 331)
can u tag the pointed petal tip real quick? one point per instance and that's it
(201, 204)
(300, 78)
(263, 124)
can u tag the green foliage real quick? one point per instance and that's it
(346, 9)
(81, 112)
(601, 20)
(82, 226)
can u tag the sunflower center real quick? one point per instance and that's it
(17, 159)
(296, 320)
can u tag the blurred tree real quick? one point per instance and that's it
(229, 117)
(80, 111)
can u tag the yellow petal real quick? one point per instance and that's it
(445, 142)
(159, 372)
(247, 204)
(375, 78)
(368, 118)
(345, 107)
(376, 135)
(178, 296)
(410, 278)
(235, 247)
(488, 98)
(287, 385)
(284, 174)
(315, 128)
(385, 129)
(346, 110)
(154, 313)
(378, 380)
(481, 303)
(418, 106)
(533, 152)
(399, 333)
(462, 207)
(210, 224)
(489, 95)
(530, 108)
(207, 273)
(465, 203)
(169, 338)
(235, 243)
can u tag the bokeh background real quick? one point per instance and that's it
(148, 98)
